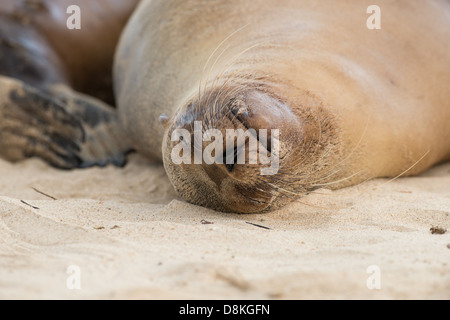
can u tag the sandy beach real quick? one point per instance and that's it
(111, 233)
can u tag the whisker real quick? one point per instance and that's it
(338, 181)
(212, 54)
(338, 164)
(297, 200)
(235, 58)
(404, 172)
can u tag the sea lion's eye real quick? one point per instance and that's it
(181, 138)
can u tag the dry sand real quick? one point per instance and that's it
(129, 236)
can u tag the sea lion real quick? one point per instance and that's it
(351, 103)
(56, 83)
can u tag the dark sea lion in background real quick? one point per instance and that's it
(350, 103)
(56, 83)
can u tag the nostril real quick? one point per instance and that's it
(230, 167)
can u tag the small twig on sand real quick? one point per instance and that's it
(29, 205)
(44, 194)
(257, 225)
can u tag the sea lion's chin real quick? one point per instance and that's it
(199, 185)
(225, 154)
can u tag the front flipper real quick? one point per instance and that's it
(63, 127)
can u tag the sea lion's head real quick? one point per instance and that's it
(240, 149)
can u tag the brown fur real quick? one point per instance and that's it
(44, 67)
(82, 58)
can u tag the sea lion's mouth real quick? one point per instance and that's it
(257, 199)
(240, 189)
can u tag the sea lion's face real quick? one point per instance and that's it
(229, 151)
